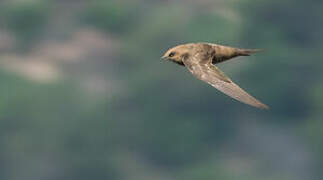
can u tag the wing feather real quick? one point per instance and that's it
(209, 73)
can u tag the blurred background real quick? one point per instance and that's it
(85, 95)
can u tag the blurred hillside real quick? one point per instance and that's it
(85, 95)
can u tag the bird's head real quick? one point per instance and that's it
(176, 54)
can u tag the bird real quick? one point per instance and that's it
(200, 59)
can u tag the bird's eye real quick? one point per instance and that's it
(171, 54)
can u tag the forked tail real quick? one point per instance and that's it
(223, 53)
(248, 52)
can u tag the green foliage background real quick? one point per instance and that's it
(155, 121)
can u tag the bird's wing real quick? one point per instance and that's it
(215, 77)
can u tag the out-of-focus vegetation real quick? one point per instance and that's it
(84, 94)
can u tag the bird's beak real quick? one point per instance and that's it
(164, 57)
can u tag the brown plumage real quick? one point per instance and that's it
(200, 58)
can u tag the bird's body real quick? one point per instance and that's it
(200, 59)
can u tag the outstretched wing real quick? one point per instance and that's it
(211, 74)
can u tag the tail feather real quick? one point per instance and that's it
(248, 52)
(223, 53)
